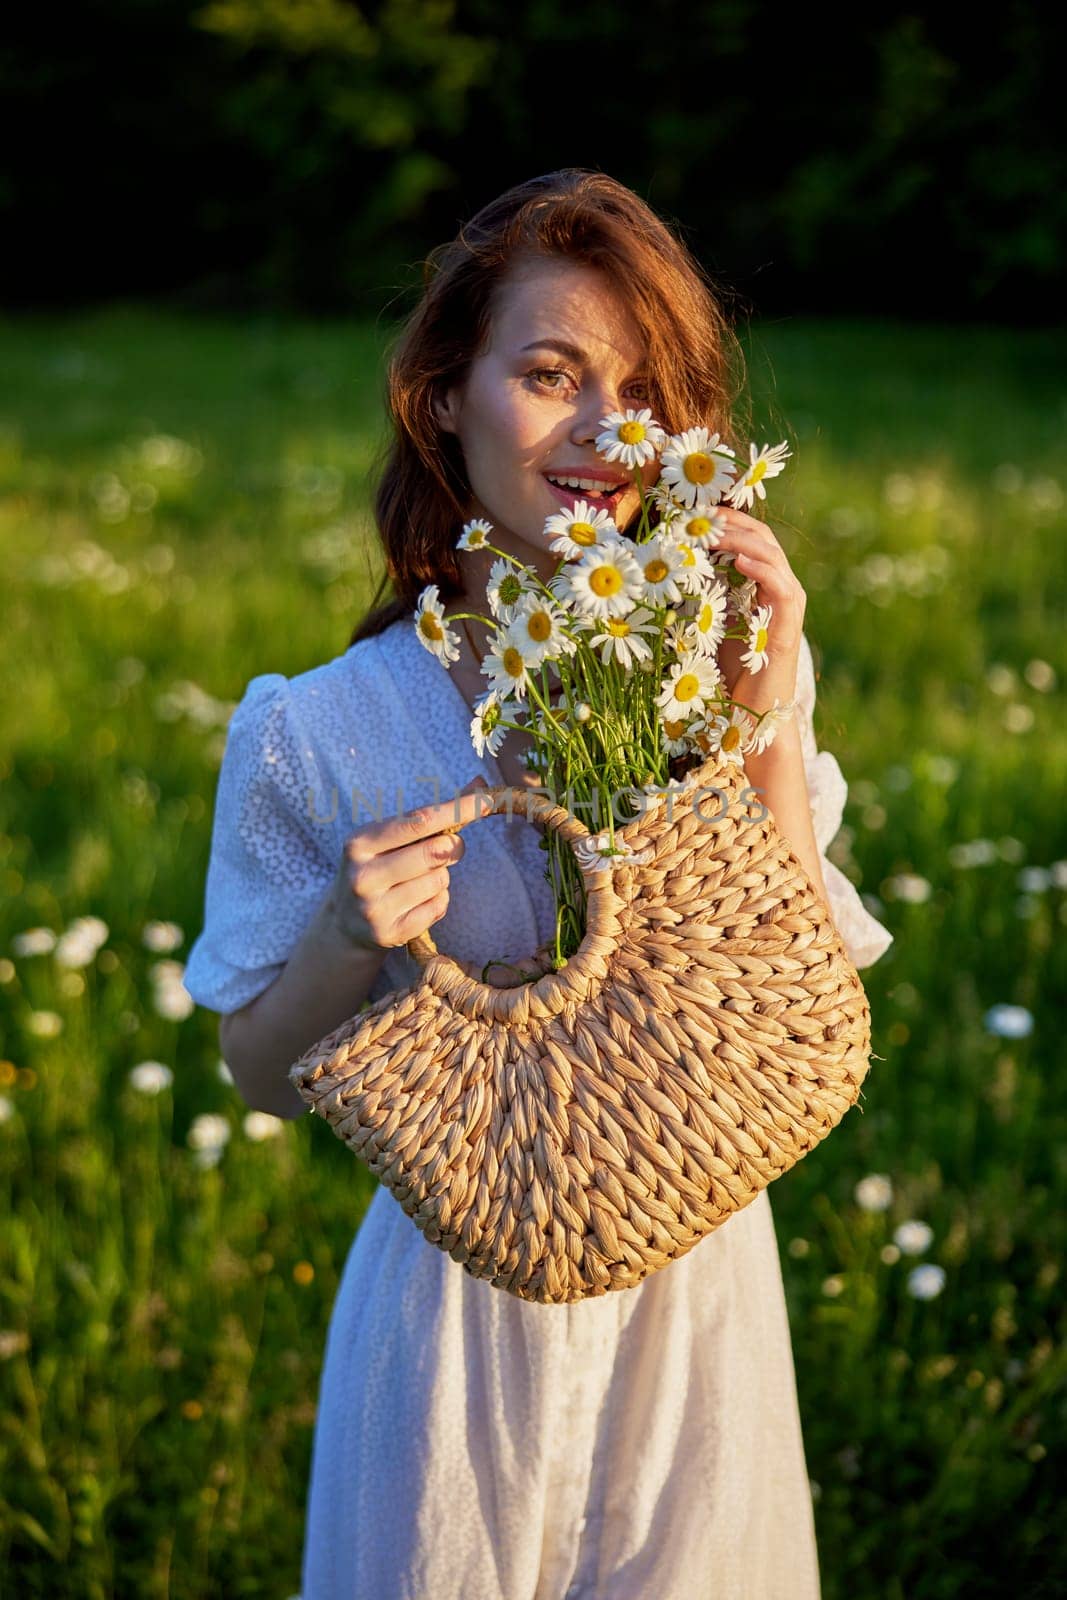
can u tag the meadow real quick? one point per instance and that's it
(184, 503)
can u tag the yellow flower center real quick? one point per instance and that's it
(761, 639)
(687, 687)
(618, 627)
(688, 558)
(757, 472)
(583, 533)
(539, 626)
(490, 718)
(698, 527)
(430, 626)
(698, 467)
(631, 432)
(674, 730)
(514, 665)
(606, 581)
(656, 570)
(706, 617)
(731, 738)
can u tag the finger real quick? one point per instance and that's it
(408, 827)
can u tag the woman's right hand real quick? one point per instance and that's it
(393, 880)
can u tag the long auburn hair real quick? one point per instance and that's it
(695, 362)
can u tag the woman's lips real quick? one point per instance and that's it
(568, 498)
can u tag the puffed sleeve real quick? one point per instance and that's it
(271, 861)
(864, 937)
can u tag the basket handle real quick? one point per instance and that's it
(601, 899)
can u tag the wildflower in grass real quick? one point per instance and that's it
(260, 1125)
(697, 467)
(172, 1000)
(631, 437)
(910, 887)
(223, 1072)
(504, 589)
(431, 628)
(7, 1108)
(1008, 1022)
(926, 1282)
(80, 940)
(874, 1192)
(207, 1137)
(162, 936)
(914, 1237)
(622, 637)
(475, 535)
(765, 463)
(34, 942)
(151, 1077)
(1034, 880)
(833, 1286)
(574, 532)
(44, 1024)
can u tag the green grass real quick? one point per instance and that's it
(184, 505)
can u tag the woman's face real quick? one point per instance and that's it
(530, 408)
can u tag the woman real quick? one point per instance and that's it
(645, 1444)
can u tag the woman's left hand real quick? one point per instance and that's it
(758, 555)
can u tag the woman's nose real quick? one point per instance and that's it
(597, 401)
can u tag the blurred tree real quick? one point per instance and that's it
(306, 153)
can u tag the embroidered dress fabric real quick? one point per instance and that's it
(469, 1445)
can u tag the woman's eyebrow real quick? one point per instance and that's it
(562, 346)
(571, 351)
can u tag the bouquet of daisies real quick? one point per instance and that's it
(629, 626)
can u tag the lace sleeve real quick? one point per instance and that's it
(863, 936)
(270, 865)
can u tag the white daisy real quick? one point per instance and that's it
(475, 535)
(631, 437)
(659, 559)
(730, 737)
(769, 723)
(675, 735)
(575, 532)
(706, 624)
(700, 526)
(539, 624)
(487, 730)
(755, 658)
(695, 467)
(430, 627)
(692, 681)
(621, 637)
(766, 463)
(504, 589)
(508, 662)
(604, 583)
(666, 505)
(695, 567)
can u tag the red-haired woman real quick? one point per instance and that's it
(470, 1445)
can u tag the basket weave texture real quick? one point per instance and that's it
(568, 1137)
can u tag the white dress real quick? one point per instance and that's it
(643, 1445)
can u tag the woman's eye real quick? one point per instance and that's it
(550, 372)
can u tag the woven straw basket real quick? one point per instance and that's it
(570, 1136)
